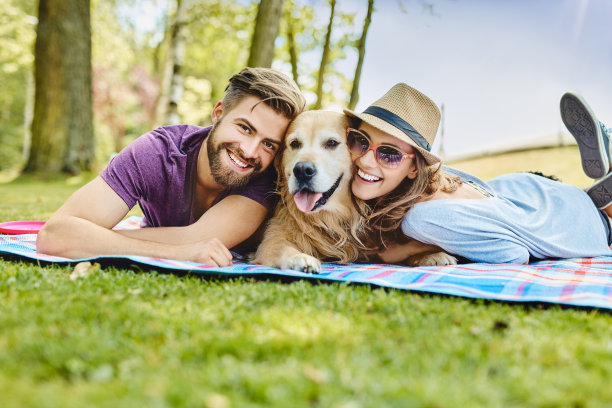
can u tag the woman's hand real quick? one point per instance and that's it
(396, 253)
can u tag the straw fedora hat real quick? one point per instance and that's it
(407, 114)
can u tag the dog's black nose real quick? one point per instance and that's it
(304, 171)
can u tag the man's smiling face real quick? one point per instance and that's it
(243, 141)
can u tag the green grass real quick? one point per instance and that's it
(125, 338)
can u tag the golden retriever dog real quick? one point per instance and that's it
(317, 218)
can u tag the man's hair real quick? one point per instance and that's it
(274, 88)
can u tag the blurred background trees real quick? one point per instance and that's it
(81, 80)
(266, 30)
(62, 125)
(17, 34)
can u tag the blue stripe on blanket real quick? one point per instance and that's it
(576, 281)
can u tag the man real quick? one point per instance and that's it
(201, 190)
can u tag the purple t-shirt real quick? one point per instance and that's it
(159, 172)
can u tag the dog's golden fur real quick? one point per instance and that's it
(335, 231)
(332, 236)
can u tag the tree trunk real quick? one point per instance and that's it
(361, 50)
(293, 54)
(62, 127)
(325, 57)
(164, 74)
(28, 115)
(178, 58)
(264, 35)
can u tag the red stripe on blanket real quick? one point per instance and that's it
(569, 290)
(381, 275)
(521, 289)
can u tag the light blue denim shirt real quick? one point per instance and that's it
(527, 216)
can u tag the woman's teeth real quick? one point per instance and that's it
(367, 177)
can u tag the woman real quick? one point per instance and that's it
(512, 218)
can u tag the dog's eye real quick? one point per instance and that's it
(295, 144)
(331, 144)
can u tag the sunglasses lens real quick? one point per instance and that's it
(388, 156)
(357, 143)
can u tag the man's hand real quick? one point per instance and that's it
(211, 252)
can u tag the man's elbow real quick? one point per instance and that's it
(49, 239)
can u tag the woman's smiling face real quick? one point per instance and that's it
(373, 180)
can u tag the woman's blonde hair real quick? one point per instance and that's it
(384, 214)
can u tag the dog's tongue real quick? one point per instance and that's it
(306, 200)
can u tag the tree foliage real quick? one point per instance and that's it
(133, 65)
(218, 43)
(17, 34)
(304, 31)
(125, 86)
(130, 47)
(217, 38)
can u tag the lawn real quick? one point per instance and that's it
(126, 338)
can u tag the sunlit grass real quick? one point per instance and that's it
(118, 338)
(562, 162)
(124, 338)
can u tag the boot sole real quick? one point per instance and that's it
(601, 192)
(579, 120)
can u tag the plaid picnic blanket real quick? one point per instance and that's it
(575, 281)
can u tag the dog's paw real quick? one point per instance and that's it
(303, 263)
(432, 259)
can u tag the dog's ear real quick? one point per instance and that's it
(278, 162)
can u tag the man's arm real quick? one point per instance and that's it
(232, 220)
(82, 227)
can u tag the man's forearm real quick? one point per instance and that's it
(74, 237)
(167, 235)
(232, 221)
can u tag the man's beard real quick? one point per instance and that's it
(220, 172)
